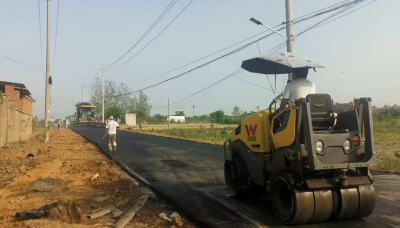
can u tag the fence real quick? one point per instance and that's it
(15, 125)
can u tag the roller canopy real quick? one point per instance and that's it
(279, 63)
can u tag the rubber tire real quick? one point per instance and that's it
(234, 188)
(291, 206)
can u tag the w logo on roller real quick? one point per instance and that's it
(251, 132)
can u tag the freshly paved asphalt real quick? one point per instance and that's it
(191, 175)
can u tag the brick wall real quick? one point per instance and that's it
(17, 100)
(9, 90)
(26, 105)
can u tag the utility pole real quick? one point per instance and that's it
(83, 92)
(289, 30)
(47, 104)
(102, 90)
(168, 114)
(193, 110)
(388, 109)
(258, 108)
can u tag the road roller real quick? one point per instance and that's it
(312, 163)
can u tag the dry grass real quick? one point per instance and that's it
(71, 160)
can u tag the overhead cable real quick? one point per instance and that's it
(262, 87)
(40, 36)
(207, 87)
(170, 5)
(55, 42)
(153, 38)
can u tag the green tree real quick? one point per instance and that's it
(113, 96)
(114, 111)
(236, 112)
(217, 116)
(179, 113)
(141, 106)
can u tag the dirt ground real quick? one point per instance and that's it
(71, 161)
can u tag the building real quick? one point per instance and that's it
(128, 118)
(344, 106)
(177, 119)
(15, 112)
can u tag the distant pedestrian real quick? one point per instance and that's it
(111, 133)
(140, 125)
(59, 123)
(67, 123)
(118, 121)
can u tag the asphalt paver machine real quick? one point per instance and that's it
(314, 165)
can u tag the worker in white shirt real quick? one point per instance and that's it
(111, 133)
(300, 87)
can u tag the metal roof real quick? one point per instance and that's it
(17, 86)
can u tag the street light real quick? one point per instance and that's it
(258, 22)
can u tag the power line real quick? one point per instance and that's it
(253, 83)
(217, 83)
(154, 37)
(159, 75)
(33, 61)
(343, 15)
(170, 5)
(3, 59)
(197, 60)
(22, 63)
(321, 10)
(55, 42)
(349, 6)
(207, 63)
(215, 86)
(40, 35)
(209, 86)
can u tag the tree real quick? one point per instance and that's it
(113, 96)
(37, 124)
(179, 113)
(217, 116)
(141, 106)
(236, 112)
(114, 111)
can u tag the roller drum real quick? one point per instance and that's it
(323, 201)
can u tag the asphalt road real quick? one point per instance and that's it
(191, 175)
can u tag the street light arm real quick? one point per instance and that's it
(258, 22)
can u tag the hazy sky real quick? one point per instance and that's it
(92, 34)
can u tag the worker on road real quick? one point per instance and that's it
(67, 123)
(59, 123)
(111, 133)
(300, 87)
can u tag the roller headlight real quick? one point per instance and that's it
(347, 145)
(319, 146)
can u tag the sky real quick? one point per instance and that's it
(91, 34)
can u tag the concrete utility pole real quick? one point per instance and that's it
(258, 108)
(193, 110)
(168, 114)
(102, 90)
(289, 30)
(83, 92)
(47, 104)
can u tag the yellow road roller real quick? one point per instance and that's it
(314, 164)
